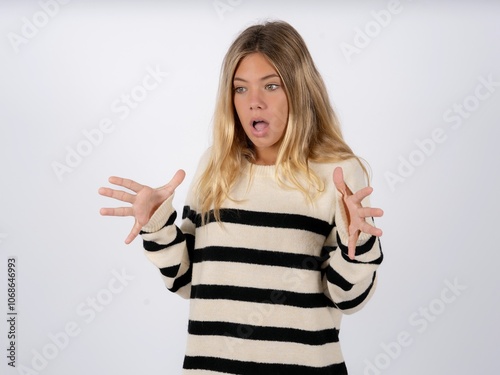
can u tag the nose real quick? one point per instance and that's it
(256, 100)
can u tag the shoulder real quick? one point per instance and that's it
(205, 156)
(203, 161)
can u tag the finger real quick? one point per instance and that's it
(117, 194)
(175, 181)
(370, 229)
(338, 180)
(118, 211)
(136, 229)
(351, 244)
(369, 212)
(362, 194)
(126, 183)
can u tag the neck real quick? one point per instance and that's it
(267, 157)
(265, 161)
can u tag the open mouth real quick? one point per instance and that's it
(259, 125)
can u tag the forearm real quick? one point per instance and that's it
(166, 246)
(351, 282)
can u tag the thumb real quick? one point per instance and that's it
(338, 180)
(175, 181)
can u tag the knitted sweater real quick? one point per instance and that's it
(269, 285)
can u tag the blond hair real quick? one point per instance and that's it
(312, 133)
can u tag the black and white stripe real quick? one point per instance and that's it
(267, 287)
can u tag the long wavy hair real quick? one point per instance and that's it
(313, 130)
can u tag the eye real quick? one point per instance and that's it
(239, 90)
(272, 87)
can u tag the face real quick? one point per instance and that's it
(261, 105)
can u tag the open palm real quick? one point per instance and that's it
(355, 212)
(144, 202)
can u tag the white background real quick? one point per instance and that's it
(440, 224)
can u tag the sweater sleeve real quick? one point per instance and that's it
(168, 246)
(350, 283)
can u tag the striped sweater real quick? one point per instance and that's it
(269, 285)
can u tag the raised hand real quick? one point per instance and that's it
(143, 204)
(355, 212)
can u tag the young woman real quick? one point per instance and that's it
(274, 245)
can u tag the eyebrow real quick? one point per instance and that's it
(273, 75)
